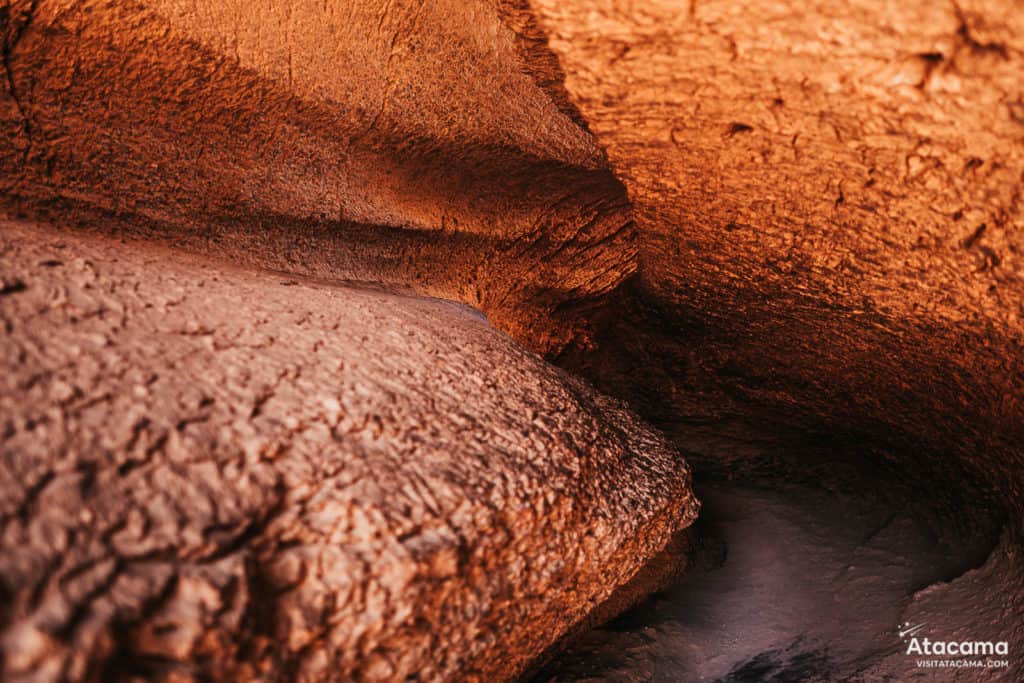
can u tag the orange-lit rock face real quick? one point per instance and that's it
(211, 472)
(861, 149)
(829, 210)
(366, 140)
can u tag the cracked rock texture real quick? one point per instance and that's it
(207, 471)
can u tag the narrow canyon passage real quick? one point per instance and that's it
(475, 340)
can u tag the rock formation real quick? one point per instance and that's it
(765, 227)
(829, 216)
(829, 226)
(210, 472)
(397, 142)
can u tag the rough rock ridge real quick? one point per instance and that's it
(786, 222)
(401, 142)
(207, 471)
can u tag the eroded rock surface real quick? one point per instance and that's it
(401, 142)
(212, 472)
(829, 212)
(828, 199)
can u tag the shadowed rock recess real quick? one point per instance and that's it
(273, 279)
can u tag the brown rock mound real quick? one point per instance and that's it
(212, 472)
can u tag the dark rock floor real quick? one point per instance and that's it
(811, 581)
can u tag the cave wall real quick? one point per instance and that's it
(829, 215)
(828, 199)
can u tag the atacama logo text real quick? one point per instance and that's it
(953, 654)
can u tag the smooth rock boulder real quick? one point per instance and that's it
(211, 472)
